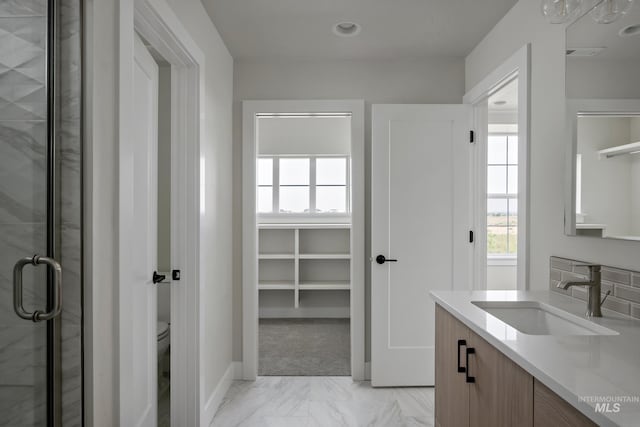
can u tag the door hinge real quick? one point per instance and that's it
(470, 236)
(472, 136)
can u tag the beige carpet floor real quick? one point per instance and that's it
(304, 347)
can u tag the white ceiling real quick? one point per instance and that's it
(391, 29)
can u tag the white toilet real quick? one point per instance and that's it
(163, 339)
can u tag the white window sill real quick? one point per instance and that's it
(502, 261)
(304, 219)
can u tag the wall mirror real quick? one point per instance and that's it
(603, 121)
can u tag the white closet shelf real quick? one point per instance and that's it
(273, 285)
(276, 256)
(325, 256)
(325, 286)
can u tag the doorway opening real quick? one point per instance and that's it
(303, 238)
(304, 246)
(163, 299)
(500, 181)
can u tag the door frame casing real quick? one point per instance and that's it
(108, 125)
(250, 233)
(518, 66)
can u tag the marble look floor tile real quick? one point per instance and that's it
(323, 401)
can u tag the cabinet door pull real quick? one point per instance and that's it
(460, 344)
(468, 378)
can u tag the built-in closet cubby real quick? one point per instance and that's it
(305, 266)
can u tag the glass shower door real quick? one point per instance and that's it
(24, 213)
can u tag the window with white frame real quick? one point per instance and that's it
(502, 195)
(303, 185)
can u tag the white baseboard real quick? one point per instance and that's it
(237, 370)
(367, 371)
(304, 313)
(213, 402)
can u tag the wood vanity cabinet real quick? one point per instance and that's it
(452, 391)
(488, 389)
(492, 391)
(552, 410)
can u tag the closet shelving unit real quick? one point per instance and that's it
(304, 257)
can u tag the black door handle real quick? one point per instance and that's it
(157, 278)
(460, 344)
(380, 259)
(468, 378)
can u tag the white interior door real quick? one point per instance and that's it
(138, 250)
(420, 217)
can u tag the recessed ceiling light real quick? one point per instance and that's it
(346, 29)
(630, 30)
(499, 102)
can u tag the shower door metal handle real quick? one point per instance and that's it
(56, 302)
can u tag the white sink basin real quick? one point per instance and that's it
(535, 318)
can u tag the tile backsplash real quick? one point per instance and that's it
(623, 284)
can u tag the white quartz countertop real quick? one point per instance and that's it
(582, 369)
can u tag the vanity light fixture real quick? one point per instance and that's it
(609, 11)
(346, 29)
(605, 11)
(560, 11)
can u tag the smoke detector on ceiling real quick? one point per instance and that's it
(584, 51)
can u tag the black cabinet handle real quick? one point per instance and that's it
(468, 378)
(380, 259)
(460, 344)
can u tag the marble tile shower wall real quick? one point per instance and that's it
(623, 284)
(23, 205)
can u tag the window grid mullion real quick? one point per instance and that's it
(312, 184)
(276, 184)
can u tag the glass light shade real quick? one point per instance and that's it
(609, 11)
(560, 11)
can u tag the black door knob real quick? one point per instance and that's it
(380, 259)
(157, 278)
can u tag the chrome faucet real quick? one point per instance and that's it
(593, 287)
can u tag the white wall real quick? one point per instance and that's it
(101, 207)
(430, 81)
(524, 24)
(502, 277)
(615, 79)
(304, 135)
(634, 134)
